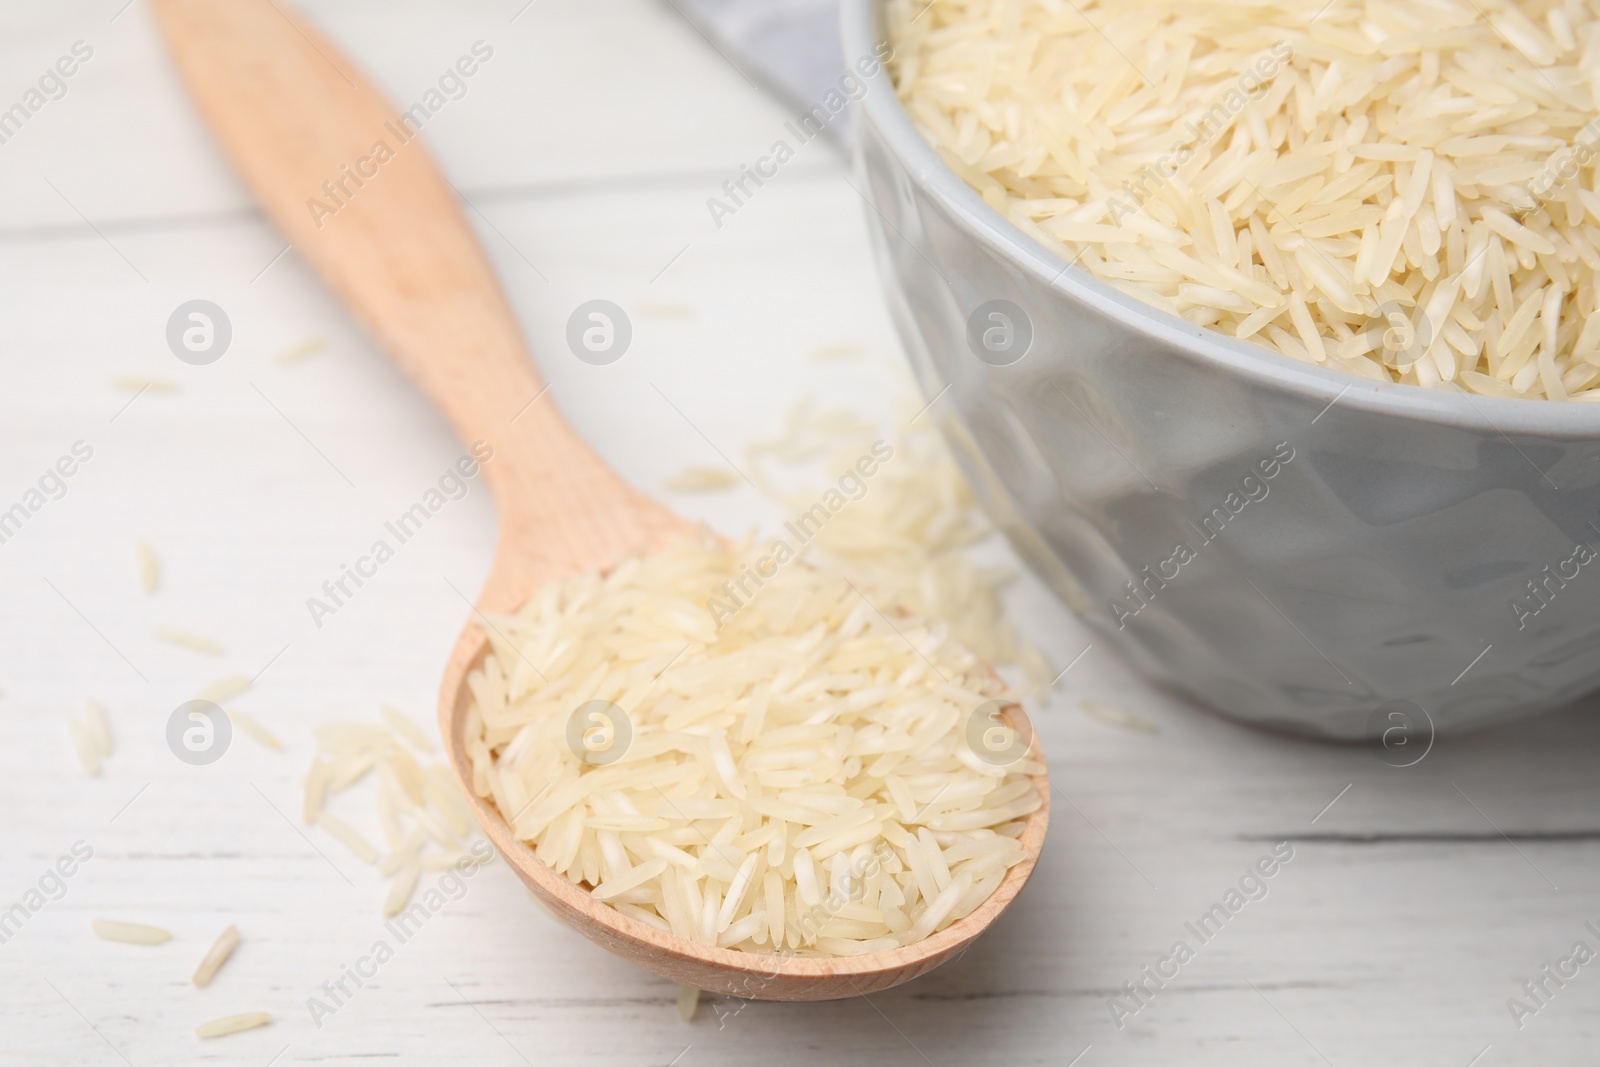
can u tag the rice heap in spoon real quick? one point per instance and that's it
(741, 749)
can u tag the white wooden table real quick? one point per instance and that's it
(1412, 909)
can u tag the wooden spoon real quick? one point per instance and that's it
(386, 233)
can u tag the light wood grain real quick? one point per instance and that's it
(296, 120)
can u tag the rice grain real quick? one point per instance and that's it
(1333, 160)
(348, 837)
(149, 567)
(182, 638)
(129, 933)
(224, 689)
(232, 1024)
(220, 950)
(257, 732)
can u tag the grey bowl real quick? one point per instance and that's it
(1293, 547)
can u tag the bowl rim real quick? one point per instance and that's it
(861, 21)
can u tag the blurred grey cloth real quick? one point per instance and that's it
(790, 47)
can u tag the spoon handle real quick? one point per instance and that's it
(347, 180)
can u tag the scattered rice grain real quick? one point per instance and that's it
(232, 1024)
(174, 635)
(348, 837)
(296, 353)
(149, 567)
(400, 890)
(405, 728)
(1116, 715)
(702, 480)
(136, 384)
(688, 1002)
(257, 732)
(220, 950)
(129, 933)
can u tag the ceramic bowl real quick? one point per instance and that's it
(1289, 545)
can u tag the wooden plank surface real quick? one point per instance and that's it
(1412, 910)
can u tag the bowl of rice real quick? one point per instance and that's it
(1269, 332)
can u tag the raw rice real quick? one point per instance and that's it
(438, 862)
(405, 728)
(348, 837)
(129, 933)
(421, 813)
(174, 635)
(811, 736)
(688, 1002)
(702, 480)
(1116, 715)
(91, 737)
(400, 890)
(1406, 191)
(220, 950)
(138, 385)
(316, 792)
(94, 717)
(232, 1024)
(295, 353)
(83, 744)
(149, 567)
(401, 854)
(258, 732)
(911, 538)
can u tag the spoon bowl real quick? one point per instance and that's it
(716, 970)
(385, 232)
